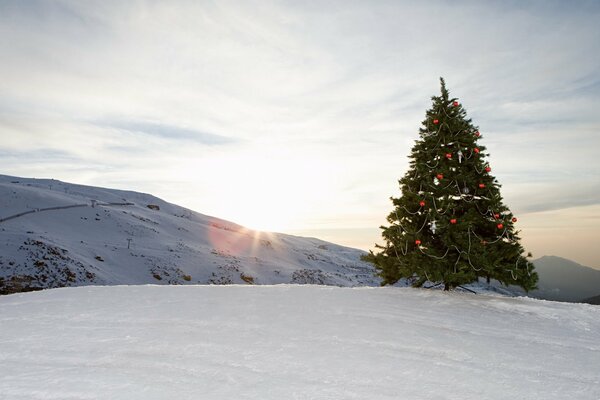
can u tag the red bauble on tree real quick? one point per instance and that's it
(514, 219)
(488, 169)
(496, 216)
(481, 185)
(477, 134)
(422, 203)
(476, 150)
(448, 155)
(455, 104)
(500, 226)
(439, 177)
(453, 221)
(435, 121)
(418, 242)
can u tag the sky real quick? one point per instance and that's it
(298, 116)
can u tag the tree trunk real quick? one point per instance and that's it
(446, 286)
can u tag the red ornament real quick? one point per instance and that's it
(500, 226)
(514, 219)
(418, 242)
(477, 134)
(455, 104)
(435, 122)
(453, 221)
(481, 185)
(440, 177)
(422, 203)
(476, 150)
(488, 169)
(496, 216)
(448, 155)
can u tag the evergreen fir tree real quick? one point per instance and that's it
(450, 226)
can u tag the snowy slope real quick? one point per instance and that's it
(169, 244)
(294, 342)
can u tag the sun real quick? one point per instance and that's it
(266, 203)
(263, 210)
(269, 191)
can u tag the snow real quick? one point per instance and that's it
(246, 341)
(172, 245)
(294, 342)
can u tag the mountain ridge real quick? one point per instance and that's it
(71, 235)
(561, 279)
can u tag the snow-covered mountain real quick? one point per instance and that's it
(55, 234)
(294, 342)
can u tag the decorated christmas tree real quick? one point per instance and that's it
(449, 226)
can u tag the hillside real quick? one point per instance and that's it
(71, 235)
(294, 342)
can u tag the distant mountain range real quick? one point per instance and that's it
(55, 234)
(592, 300)
(565, 280)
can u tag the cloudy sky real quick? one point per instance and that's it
(298, 116)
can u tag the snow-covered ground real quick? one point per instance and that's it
(294, 342)
(136, 238)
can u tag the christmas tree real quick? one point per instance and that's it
(449, 226)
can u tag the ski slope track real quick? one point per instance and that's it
(55, 234)
(294, 342)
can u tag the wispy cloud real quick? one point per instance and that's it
(167, 131)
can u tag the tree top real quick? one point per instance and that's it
(443, 89)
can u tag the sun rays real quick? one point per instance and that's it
(228, 239)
